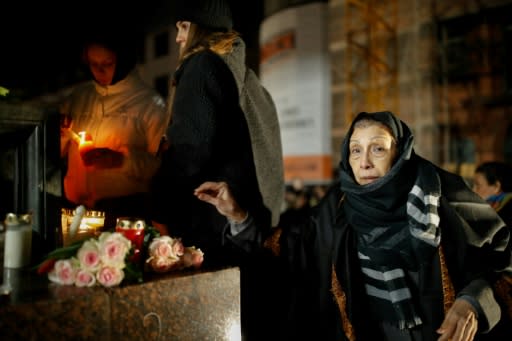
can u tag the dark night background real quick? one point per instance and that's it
(39, 41)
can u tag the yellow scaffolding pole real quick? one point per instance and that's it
(371, 56)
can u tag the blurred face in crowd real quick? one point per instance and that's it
(102, 63)
(183, 28)
(372, 151)
(483, 188)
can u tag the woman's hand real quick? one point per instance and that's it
(219, 195)
(460, 324)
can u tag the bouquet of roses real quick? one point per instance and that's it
(92, 262)
(108, 259)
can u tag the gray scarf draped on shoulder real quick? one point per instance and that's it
(261, 115)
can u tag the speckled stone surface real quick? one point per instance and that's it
(205, 306)
(186, 305)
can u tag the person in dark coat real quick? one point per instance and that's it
(398, 249)
(493, 182)
(208, 139)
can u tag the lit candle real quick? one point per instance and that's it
(85, 139)
(86, 144)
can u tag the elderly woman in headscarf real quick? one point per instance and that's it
(398, 249)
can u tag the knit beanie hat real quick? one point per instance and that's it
(213, 14)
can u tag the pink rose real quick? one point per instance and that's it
(193, 257)
(64, 272)
(113, 248)
(110, 276)
(161, 264)
(177, 247)
(161, 247)
(167, 253)
(167, 247)
(85, 278)
(89, 256)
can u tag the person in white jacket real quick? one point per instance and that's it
(125, 120)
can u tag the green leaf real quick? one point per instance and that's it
(133, 273)
(4, 91)
(62, 252)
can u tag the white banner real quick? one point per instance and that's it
(294, 67)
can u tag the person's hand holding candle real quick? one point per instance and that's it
(100, 158)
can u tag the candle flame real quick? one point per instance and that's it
(85, 137)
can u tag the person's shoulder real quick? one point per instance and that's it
(77, 93)
(150, 92)
(207, 67)
(455, 188)
(145, 92)
(155, 99)
(447, 176)
(205, 60)
(81, 88)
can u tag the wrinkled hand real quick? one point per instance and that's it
(219, 195)
(102, 158)
(460, 324)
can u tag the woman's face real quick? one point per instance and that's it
(483, 188)
(183, 28)
(102, 63)
(372, 151)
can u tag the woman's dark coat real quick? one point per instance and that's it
(209, 141)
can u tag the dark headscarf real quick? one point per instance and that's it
(121, 42)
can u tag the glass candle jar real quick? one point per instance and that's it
(18, 240)
(90, 225)
(133, 230)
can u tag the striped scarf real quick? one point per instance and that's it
(395, 238)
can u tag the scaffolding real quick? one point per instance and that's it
(371, 56)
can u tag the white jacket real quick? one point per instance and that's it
(128, 117)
